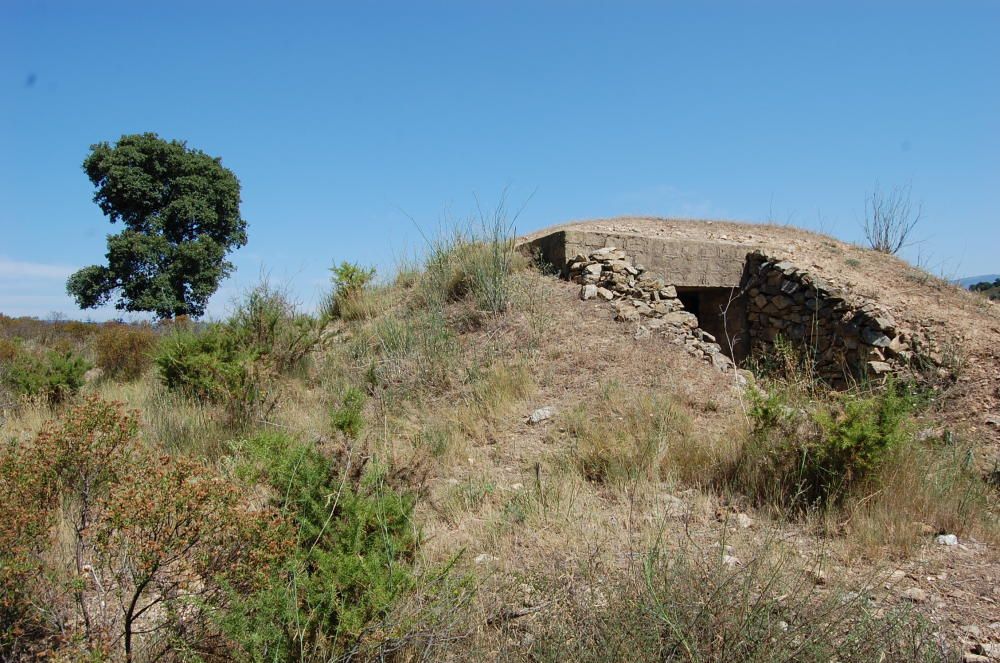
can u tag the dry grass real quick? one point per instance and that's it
(599, 525)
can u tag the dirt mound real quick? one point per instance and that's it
(964, 327)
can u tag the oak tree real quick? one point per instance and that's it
(180, 209)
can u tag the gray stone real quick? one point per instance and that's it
(721, 362)
(681, 319)
(541, 414)
(915, 594)
(946, 540)
(626, 314)
(875, 338)
(588, 291)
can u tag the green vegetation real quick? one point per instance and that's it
(347, 418)
(52, 375)
(354, 547)
(348, 299)
(181, 211)
(362, 485)
(237, 363)
(990, 290)
(813, 455)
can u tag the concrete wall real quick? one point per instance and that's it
(711, 264)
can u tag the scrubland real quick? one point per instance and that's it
(364, 483)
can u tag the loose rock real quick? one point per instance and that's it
(541, 414)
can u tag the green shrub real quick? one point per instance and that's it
(125, 351)
(347, 418)
(211, 364)
(347, 299)
(808, 453)
(267, 323)
(353, 559)
(237, 363)
(201, 363)
(53, 376)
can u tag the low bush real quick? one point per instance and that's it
(53, 376)
(806, 453)
(355, 547)
(347, 417)
(211, 364)
(116, 551)
(268, 324)
(124, 352)
(237, 363)
(347, 300)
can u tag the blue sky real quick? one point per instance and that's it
(343, 120)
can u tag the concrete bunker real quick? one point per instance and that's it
(736, 296)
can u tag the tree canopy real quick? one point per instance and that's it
(181, 212)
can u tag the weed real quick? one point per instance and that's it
(622, 435)
(690, 604)
(347, 300)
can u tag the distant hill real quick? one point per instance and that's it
(988, 286)
(973, 280)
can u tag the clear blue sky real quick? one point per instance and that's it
(343, 119)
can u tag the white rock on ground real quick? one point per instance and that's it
(541, 414)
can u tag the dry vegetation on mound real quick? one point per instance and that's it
(385, 494)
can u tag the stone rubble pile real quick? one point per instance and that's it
(608, 274)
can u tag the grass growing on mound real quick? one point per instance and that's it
(685, 603)
(622, 435)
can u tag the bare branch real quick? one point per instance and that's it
(890, 218)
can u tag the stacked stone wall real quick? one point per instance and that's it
(845, 339)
